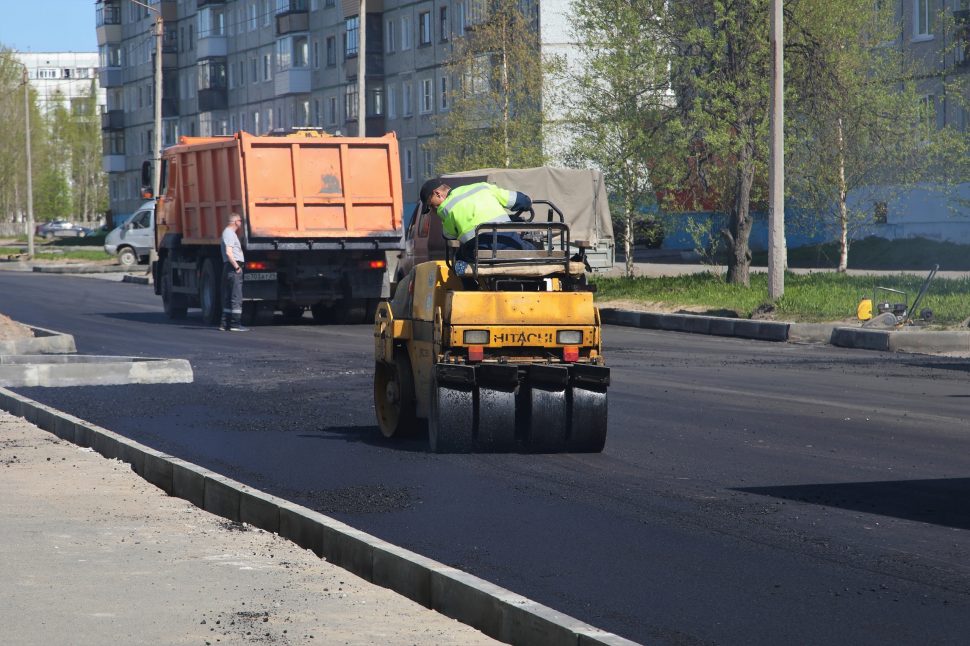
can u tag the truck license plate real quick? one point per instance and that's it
(260, 275)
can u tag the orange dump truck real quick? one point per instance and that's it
(319, 214)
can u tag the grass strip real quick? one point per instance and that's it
(813, 297)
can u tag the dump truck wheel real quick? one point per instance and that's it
(588, 421)
(321, 313)
(451, 420)
(292, 313)
(394, 400)
(173, 304)
(209, 294)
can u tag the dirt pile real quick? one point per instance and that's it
(10, 330)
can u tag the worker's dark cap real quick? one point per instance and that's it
(426, 189)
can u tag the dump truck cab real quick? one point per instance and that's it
(500, 353)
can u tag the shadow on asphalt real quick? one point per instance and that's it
(158, 318)
(943, 502)
(370, 435)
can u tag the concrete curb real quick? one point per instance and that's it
(497, 612)
(916, 341)
(27, 370)
(138, 280)
(697, 324)
(78, 269)
(44, 341)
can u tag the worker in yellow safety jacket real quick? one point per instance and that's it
(463, 208)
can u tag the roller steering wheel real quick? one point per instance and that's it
(517, 215)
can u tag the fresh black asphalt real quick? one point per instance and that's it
(749, 493)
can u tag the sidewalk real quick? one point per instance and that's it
(92, 554)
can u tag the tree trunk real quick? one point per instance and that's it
(505, 98)
(628, 242)
(843, 207)
(739, 223)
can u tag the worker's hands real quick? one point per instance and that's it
(238, 269)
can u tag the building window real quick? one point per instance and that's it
(331, 51)
(316, 54)
(110, 55)
(114, 142)
(389, 37)
(405, 33)
(406, 99)
(408, 166)
(424, 28)
(254, 68)
(253, 18)
(332, 111)
(443, 93)
(211, 75)
(922, 19)
(212, 22)
(443, 23)
(350, 101)
(427, 95)
(351, 35)
(242, 74)
(316, 113)
(375, 102)
(391, 102)
(427, 163)
(291, 51)
(460, 25)
(330, 3)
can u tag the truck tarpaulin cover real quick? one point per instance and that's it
(580, 194)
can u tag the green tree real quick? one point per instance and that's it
(721, 68)
(495, 116)
(617, 101)
(854, 115)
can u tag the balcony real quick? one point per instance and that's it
(113, 120)
(109, 34)
(206, 3)
(292, 21)
(210, 46)
(292, 81)
(113, 163)
(213, 99)
(111, 77)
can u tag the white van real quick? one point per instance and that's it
(134, 240)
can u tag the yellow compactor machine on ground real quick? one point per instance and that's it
(502, 353)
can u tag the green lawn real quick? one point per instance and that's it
(824, 296)
(43, 253)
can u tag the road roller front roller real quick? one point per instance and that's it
(502, 353)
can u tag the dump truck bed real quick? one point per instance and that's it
(295, 192)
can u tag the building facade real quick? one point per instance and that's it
(258, 65)
(69, 76)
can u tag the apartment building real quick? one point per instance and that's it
(68, 75)
(257, 65)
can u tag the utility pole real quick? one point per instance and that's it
(157, 143)
(362, 72)
(30, 179)
(776, 180)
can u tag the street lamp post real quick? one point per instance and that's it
(776, 180)
(157, 143)
(362, 71)
(30, 179)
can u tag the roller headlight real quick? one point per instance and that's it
(569, 337)
(475, 337)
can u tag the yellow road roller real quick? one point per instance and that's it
(499, 353)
